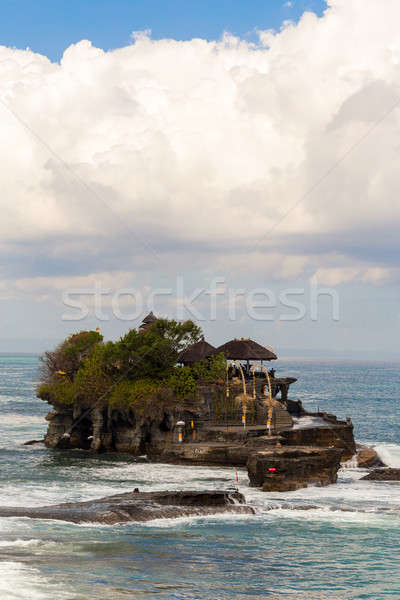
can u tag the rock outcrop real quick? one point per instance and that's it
(138, 506)
(290, 468)
(385, 474)
(338, 434)
(207, 431)
(106, 430)
(367, 457)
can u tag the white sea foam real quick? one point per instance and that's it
(89, 480)
(308, 421)
(21, 582)
(269, 509)
(197, 519)
(20, 543)
(389, 454)
(336, 517)
(17, 419)
(352, 463)
(5, 399)
(349, 496)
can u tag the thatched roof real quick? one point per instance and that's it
(196, 352)
(150, 318)
(245, 350)
(148, 321)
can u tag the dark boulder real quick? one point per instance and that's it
(33, 442)
(291, 468)
(138, 506)
(385, 474)
(367, 457)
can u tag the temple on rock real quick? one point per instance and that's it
(189, 402)
(253, 394)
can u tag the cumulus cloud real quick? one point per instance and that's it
(175, 154)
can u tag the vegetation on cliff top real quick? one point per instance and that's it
(138, 369)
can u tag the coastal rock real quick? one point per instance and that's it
(138, 506)
(290, 468)
(385, 474)
(210, 453)
(105, 430)
(305, 454)
(338, 434)
(367, 457)
(60, 422)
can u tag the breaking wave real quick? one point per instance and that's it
(389, 454)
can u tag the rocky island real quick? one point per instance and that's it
(165, 392)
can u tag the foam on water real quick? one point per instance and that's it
(20, 582)
(20, 420)
(20, 543)
(9, 399)
(306, 422)
(389, 454)
(196, 520)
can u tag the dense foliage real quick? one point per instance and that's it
(68, 356)
(136, 394)
(138, 369)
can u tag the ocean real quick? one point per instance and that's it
(341, 542)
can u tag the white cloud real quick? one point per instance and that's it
(205, 147)
(106, 280)
(43, 288)
(336, 275)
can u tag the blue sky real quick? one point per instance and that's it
(50, 26)
(273, 166)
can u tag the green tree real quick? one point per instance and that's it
(87, 371)
(154, 352)
(59, 392)
(134, 394)
(93, 381)
(182, 383)
(210, 370)
(68, 356)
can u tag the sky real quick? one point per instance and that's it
(235, 163)
(50, 26)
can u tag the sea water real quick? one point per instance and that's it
(340, 542)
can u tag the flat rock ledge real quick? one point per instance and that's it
(386, 474)
(139, 507)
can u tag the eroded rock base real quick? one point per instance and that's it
(298, 453)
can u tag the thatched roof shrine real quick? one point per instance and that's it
(196, 352)
(148, 321)
(245, 350)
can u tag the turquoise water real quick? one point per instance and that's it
(339, 542)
